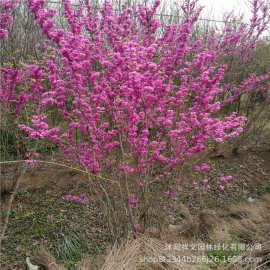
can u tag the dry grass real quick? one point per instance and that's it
(240, 219)
(45, 258)
(127, 256)
(258, 258)
(200, 226)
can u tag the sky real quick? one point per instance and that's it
(215, 8)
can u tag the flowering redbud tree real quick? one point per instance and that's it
(132, 102)
(246, 91)
(236, 48)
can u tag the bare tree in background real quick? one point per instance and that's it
(24, 34)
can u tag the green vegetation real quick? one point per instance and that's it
(69, 229)
(264, 188)
(224, 253)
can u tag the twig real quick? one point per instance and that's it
(58, 164)
(43, 161)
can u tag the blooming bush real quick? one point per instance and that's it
(132, 102)
(6, 6)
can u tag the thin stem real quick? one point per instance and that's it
(114, 229)
(58, 164)
(131, 217)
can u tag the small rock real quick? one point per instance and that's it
(174, 228)
(250, 199)
(30, 265)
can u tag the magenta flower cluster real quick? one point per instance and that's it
(202, 168)
(131, 89)
(137, 228)
(225, 179)
(6, 7)
(171, 194)
(206, 185)
(81, 199)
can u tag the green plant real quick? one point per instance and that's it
(11, 144)
(69, 249)
(264, 188)
(223, 253)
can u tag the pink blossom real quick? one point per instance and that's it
(49, 217)
(227, 178)
(221, 187)
(140, 184)
(80, 199)
(85, 200)
(31, 162)
(219, 140)
(132, 205)
(3, 34)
